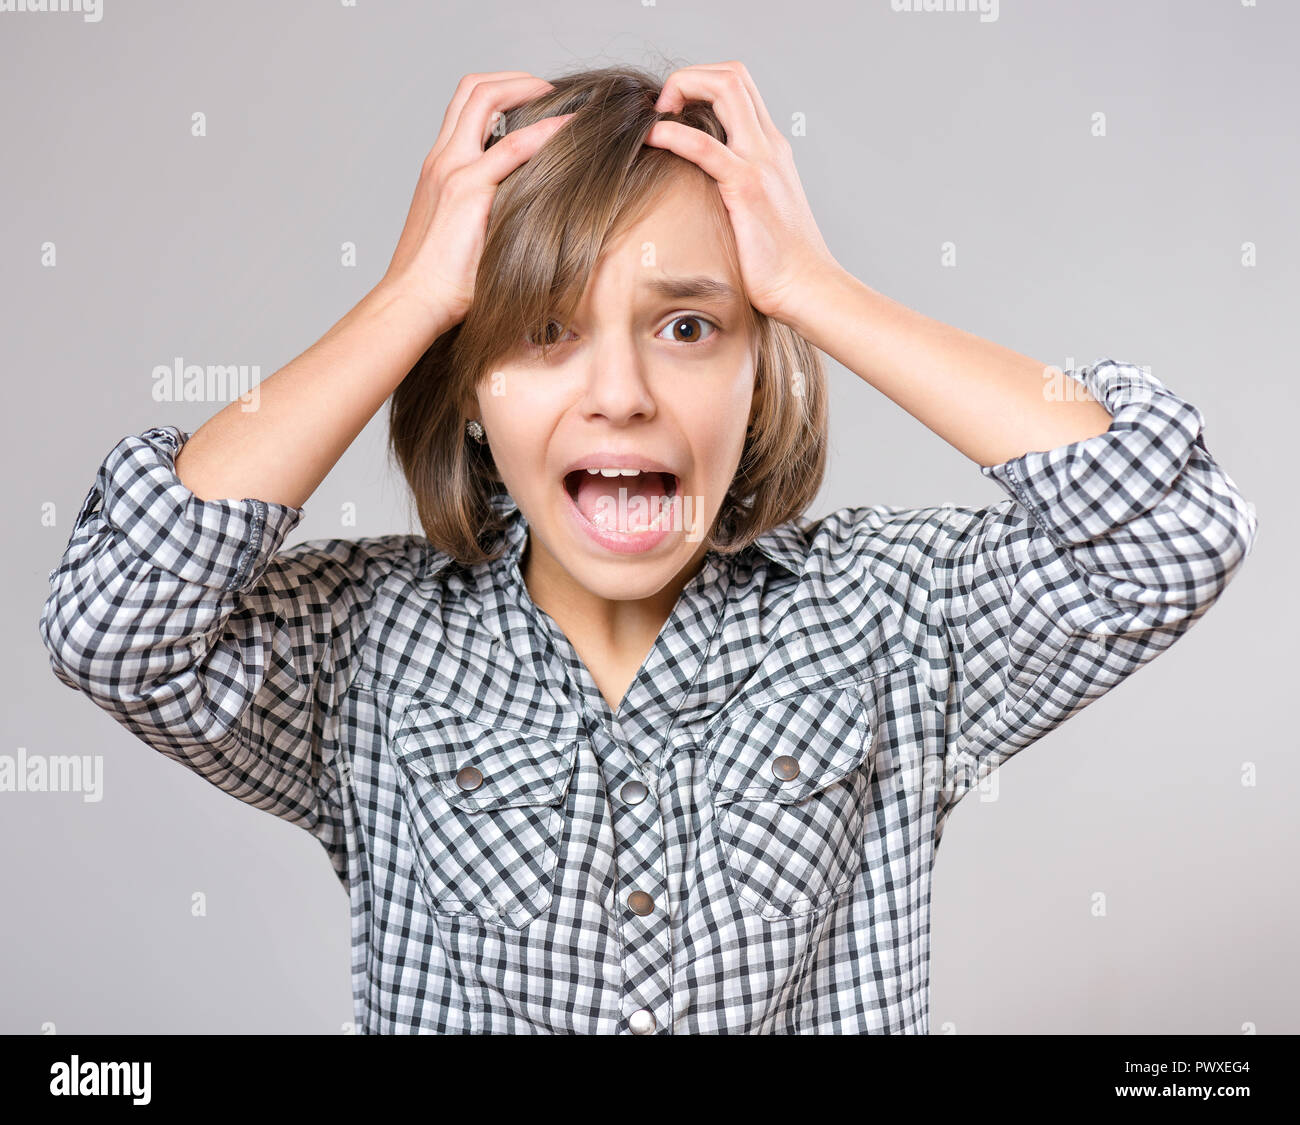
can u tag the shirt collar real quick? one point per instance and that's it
(542, 665)
(785, 545)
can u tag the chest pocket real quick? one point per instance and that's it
(790, 780)
(486, 813)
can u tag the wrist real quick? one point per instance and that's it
(398, 301)
(819, 301)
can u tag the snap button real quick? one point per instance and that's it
(633, 793)
(640, 903)
(642, 1022)
(469, 779)
(785, 768)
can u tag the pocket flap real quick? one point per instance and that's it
(787, 749)
(478, 767)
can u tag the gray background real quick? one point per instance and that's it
(922, 128)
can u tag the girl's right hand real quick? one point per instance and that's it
(437, 256)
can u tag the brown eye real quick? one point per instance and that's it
(687, 329)
(550, 335)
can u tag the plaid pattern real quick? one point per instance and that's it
(519, 858)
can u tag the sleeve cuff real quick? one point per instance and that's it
(1079, 491)
(224, 544)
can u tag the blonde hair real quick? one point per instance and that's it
(549, 220)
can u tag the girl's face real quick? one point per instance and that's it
(653, 384)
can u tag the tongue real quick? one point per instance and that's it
(645, 498)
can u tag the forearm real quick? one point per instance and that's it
(309, 411)
(985, 400)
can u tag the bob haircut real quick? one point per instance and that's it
(548, 222)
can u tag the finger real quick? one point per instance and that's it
(695, 145)
(764, 118)
(480, 95)
(517, 147)
(457, 103)
(760, 108)
(726, 92)
(479, 112)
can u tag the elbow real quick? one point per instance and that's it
(1214, 547)
(154, 690)
(57, 627)
(1208, 528)
(84, 645)
(1247, 525)
(1227, 530)
(1222, 521)
(1167, 570)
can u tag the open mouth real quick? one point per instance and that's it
(622, 500)
(607, 480)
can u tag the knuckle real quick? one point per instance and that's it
(456, 182)
(751, 182)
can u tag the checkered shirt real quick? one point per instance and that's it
(747, 844)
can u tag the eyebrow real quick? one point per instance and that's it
(698, 288)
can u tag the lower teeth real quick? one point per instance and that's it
(602, 519)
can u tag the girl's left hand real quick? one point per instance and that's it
(777, 240)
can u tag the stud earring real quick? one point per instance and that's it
(475, 430)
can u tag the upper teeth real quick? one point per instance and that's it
(614, 472)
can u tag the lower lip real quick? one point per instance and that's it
(620, 542)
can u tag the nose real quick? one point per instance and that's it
(616, 388)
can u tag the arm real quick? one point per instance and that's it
(176, 611)
(184, 620)
(987, 401)
(313, 408)
(1119, 531)
(1107, 550)
(984, 399)
(174, 607)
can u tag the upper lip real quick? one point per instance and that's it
(609, 459)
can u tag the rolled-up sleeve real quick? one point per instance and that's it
(1106, 551)
(185, 620)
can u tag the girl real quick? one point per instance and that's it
(622, 743)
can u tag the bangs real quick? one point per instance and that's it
(552, 217)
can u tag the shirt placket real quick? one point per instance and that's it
(631, 748)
